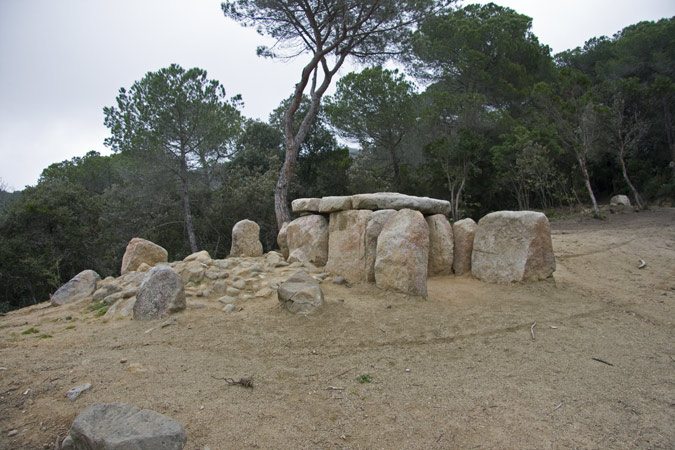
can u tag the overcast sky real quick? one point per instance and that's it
(62, 61)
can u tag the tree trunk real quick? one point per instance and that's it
(281, 210)
(636, 194)
(587, 181)
(397, 174)
(186, 206)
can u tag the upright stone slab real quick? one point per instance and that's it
(246, 239)
(373, 230)
(282, 240)
(307, 239)
(120, 426)
(441, 246)
(513, 246)
(347, 244)
(403, 253)
(141, 251)
(393, 200)
(620, 200)
(464, 232)
(160, 294)
(78, 288)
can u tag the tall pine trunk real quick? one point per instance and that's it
(186, 206)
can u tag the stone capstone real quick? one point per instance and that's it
(334, 204)
(347, 244)
(141, 251)
(393, 200)
(300, 293)
(464, 231)
(79, 287)
(246, 239)
(403, 254)
(512, 246)
(160, 294)
(308, 240)
(120, 426)
(305, 205)
(441, 246)
(373, 230)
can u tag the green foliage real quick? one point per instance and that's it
(30, 331)
(364, 378)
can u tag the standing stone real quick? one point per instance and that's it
(78, 288)
(464, 231)
(441, 246)
(300, 293)
(373, 230)
(308, 240)
(141, 251)
(403, 253)
(513, 246)
(282, 240)
(347, 244)
(160, 294)
(120, 426)
(246, 239)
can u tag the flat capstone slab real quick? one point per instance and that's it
(373, 202)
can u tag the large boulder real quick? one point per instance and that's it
(161, 293)
(120, 426)
(300, 293)
(347, 244)
(464, 232)
(282, 240)
(513, 246)
(393, 200)
(246, 239)
(441, 246)
(620, 200)
(373, 230)
(334, 204)
(141, 251)
(307, 239)
(79, 287)
(202, 257)
(403, 253)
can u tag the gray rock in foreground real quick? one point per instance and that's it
(160, 294)
(300, 293)
(512, 246)
(78, 288)
(120, 426)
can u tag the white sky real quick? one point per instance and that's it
(62, 61)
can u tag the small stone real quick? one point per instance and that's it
(219, 287)
(233, 292)
(169, 322)
(75, 392)
(340, 281)
(229, 308)
(264, 292)
(227, 299)
(123, 361)
(13, 433)
(239, 284)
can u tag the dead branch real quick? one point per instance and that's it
(532, 330)
(340, 374)
(559, 406)
(245, 382)
(602, 361)
(643, 264)
(335, 388)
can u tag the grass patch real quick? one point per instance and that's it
(97, 306)
(364, 378)
(45, 336)
(71, 327)
(101, 311)
(30, 331)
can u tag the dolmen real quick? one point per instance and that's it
(397, 241)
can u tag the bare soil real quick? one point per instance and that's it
(458, 370)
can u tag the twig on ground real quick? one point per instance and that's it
(532, 330)
(643, 264)
(559, 406)
(340, 374)
(602, 361)
(246, 381)
(335, 388)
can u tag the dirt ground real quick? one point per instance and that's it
(460, 370)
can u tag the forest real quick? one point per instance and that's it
(479, 113)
